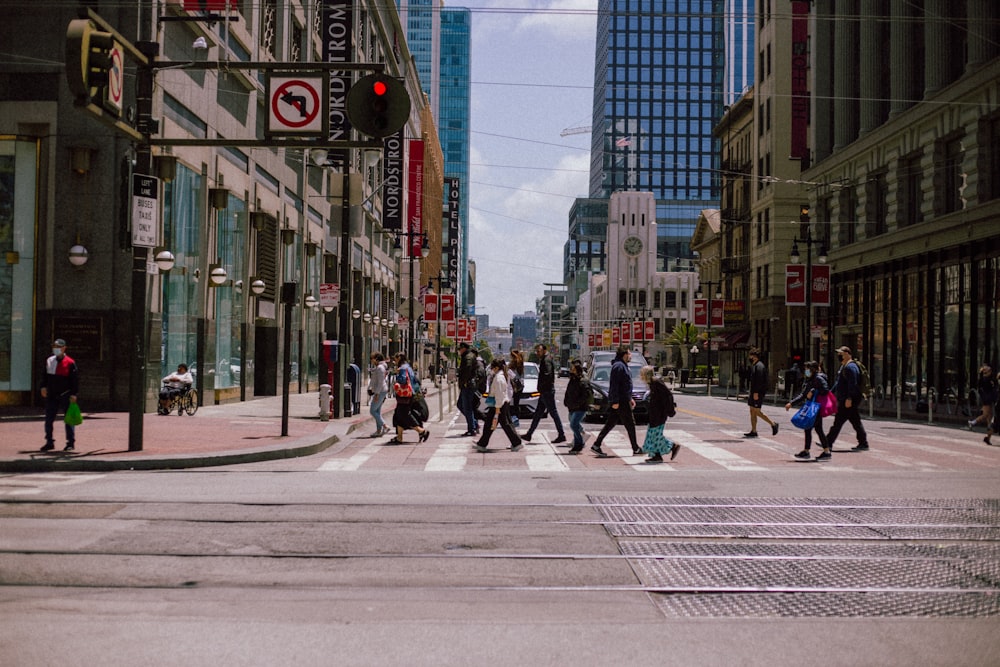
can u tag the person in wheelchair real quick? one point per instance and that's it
(174, 385)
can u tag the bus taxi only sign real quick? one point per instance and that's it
(145, 211)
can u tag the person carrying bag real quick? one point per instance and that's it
(815, 388)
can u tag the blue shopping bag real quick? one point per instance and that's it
(806, 416)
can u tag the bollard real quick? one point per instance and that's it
(348, 402)
(324, 402)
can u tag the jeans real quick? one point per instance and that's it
(54, 405)
(576, 425)
(376, 409)
(548, 399)
(467, 406)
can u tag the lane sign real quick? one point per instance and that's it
(116, 78)
(295, 105)
(145, 211)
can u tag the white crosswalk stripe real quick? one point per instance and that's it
(720, 456)
(32, 484)
(449, 457)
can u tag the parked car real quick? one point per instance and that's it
(599, 376)
(563, 372)
(529, 396)
(598, 356)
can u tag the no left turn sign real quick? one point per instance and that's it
(295, 105)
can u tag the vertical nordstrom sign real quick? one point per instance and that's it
(337, 19)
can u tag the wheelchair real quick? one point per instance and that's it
(186, 400)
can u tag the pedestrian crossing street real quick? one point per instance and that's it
(704, 446)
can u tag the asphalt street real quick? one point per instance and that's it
(368, 553)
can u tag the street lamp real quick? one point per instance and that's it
(443, 288)
(795, 258)
(425, 250)
(708, 334)
(694, 359)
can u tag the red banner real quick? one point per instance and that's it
(211, 5)
(463, 329)
(718, 310)
(821, 285)
(415, 201)
(615, 336)
(626, 334)
(450, 329)
(430, 307)
(795, 285)
(700, 312)
(473, 328)
(638, 329)
(447, 307)
(649, 332)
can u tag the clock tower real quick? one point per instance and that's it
(631, 248)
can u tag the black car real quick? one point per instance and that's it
(599, 376)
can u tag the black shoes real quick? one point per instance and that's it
(673, 451)
(860, 448)
(597, 450)
(526, 437)
(636, 451)
(516, 448)
(468, 434)
(47, 447)
(423, 436)
(574, 450)
(824, 456)
(655, 458)
(804, 454)
(751, 434)
(561, 438)
(69, 447)
(774, 429)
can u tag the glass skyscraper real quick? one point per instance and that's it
(658, 92)
(455, 110)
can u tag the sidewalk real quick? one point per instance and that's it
(240, 432)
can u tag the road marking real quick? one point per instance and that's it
(354, 462)
(448, 457)
(35, 483)
(718, 455)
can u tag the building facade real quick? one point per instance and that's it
(905, 174)
(231, 213)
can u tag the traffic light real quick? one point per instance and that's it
(88, 59)
(804, 213)
(378, 105)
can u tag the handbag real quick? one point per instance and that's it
(806, 416)
(73, 415)
(829, 405)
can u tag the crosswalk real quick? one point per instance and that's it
(37, 483)
(716, 446)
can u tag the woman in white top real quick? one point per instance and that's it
(378, 389)
(498, 408)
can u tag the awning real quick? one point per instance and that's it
(733, 340)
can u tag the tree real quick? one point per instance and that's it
(681, 339)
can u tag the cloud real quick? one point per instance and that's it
(563, 19)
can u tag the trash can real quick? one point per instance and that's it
(354, 380)
(685, 376)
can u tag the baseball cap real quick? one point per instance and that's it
(58, 342)
(844, 349)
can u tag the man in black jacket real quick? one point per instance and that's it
(467, 395)
(755, 397)
(546, 394)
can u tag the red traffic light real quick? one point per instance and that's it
(379, 88)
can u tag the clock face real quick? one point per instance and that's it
(632, 246)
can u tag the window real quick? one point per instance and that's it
(876, 205)
(848, 217)
(911, 194)
(990, 159)
(948, 188)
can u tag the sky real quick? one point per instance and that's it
(532, 77)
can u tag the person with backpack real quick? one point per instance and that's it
(755, 397)
(848, 390)
(578, 398)
(815, 387)
(546, 394)
(467, 397)
(407, 390)
(661, 407)
(515, 371)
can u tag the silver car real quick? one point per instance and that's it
(528, 401)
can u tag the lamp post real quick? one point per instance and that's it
(257, 287)
(795, 258)
(694, 359)
(425, 250)
(708, 340)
